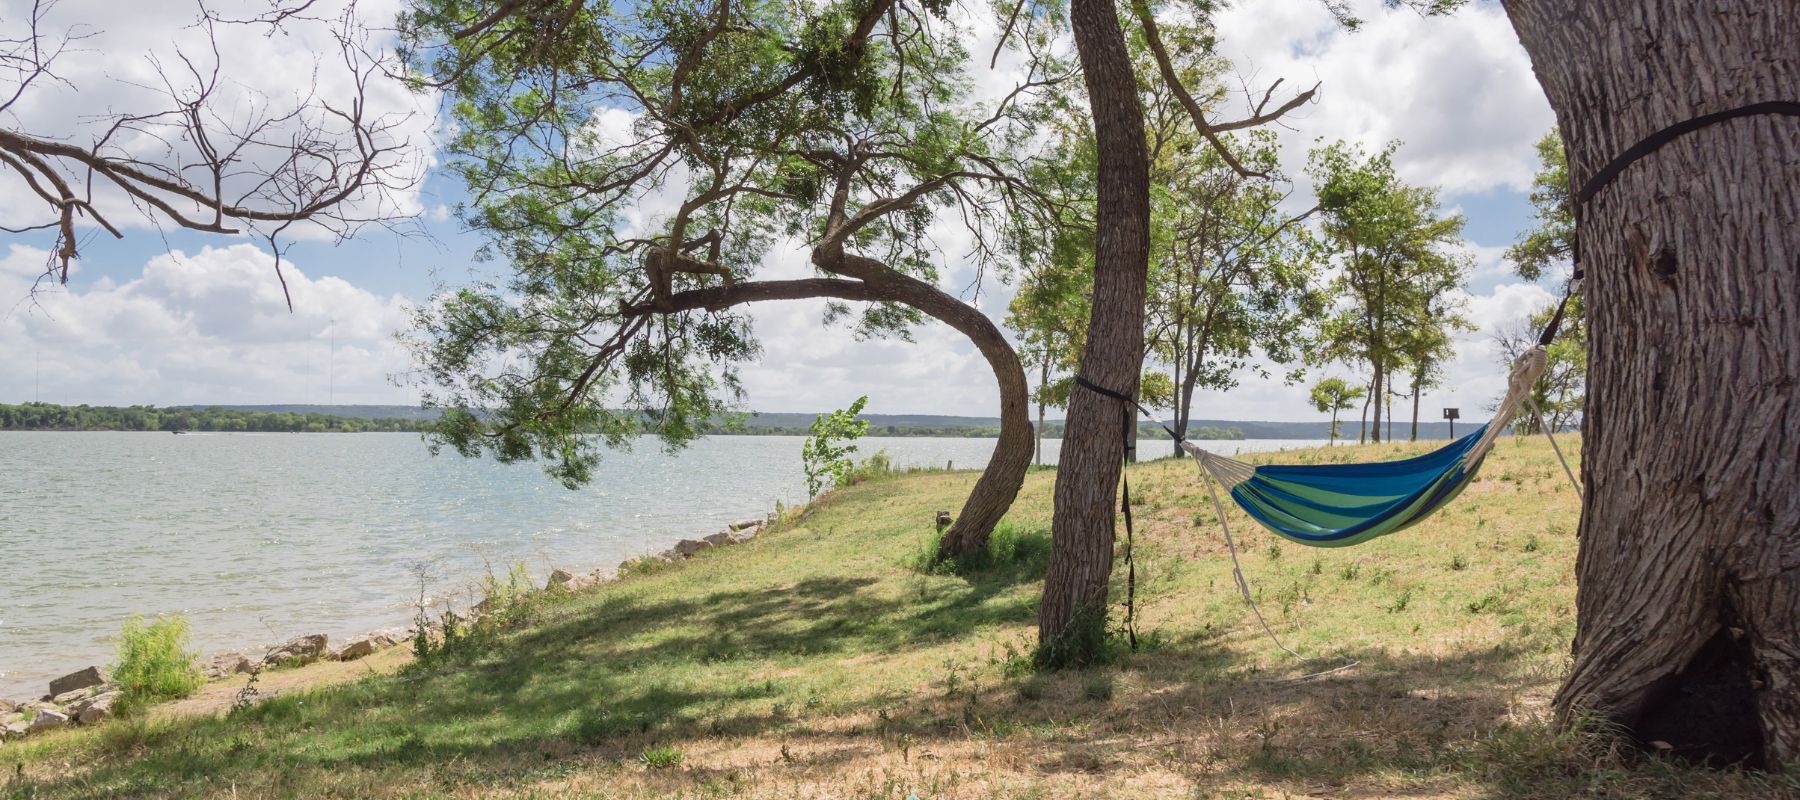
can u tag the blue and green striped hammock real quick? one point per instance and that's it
(1337, 505)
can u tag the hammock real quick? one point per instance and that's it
(1337, 505)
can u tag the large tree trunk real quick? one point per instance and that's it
(1688, 607)
(1072, 617)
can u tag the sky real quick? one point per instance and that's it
(171, 317)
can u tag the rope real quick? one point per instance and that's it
(1567, 470)
(1237, 569)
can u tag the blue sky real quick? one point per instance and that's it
(172, 317)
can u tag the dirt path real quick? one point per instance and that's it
(219, 695)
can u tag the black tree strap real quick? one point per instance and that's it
(1655, 141)
(1644, 147)
(1125, 498)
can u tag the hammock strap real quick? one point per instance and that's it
(1567, 470)
(1130, 422)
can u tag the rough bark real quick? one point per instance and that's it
(1081, 554)
(1043, 383)
(1688, 603)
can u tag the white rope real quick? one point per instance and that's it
(1567, 470)
(1237, 570)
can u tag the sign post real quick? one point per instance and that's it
(1453, 415)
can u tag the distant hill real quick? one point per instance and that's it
(909, 424)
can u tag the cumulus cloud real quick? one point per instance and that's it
(210, 327)
(1458, 90)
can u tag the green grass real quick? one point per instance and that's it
(819, 661)
(154, 663)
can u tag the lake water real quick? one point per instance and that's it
(261, 537)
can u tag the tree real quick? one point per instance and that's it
(1561, 393)
(763, 126)
(210, 154)
(1232, 274)
(1688, 600)
(1332, 395)
(1072, 616)
(826, 454)
(1549, 249)
(1395, 262)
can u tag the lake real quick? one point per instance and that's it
(261, 537)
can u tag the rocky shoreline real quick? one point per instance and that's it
(87, 696)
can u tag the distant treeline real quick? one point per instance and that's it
(49, 417)
(227, 419)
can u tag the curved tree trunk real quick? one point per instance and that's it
(1072, 617)
(1688, 621)
(999, 483)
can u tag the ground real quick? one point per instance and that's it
(819, 661)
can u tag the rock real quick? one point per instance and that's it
(47, 720)
(98, 709)
(745, 523)
(746, 534)
(720, 539)
(943, 520)
(300, 650)
(559, 577)
(77, 680)
(225, 665)
(356, 648)
(688, 547)
(16, 728)
(74, 697)
(7, 706)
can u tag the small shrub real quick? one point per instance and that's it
(1401, 602)
(155, 663)
(1350, 571)
(826, 455)
(660, 758)
(1532, 544)
(1274, 552)
(1010, 547)
(1458, 563)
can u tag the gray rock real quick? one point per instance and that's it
(688, 547)
(47, 720)
(745, 523)
(225, 665)
(744, 535)
(16, 728)
(720, 539)
(74, 697)
(559, 577)
(300, 649)
(99, 709)
(92, 676)
(7, 706)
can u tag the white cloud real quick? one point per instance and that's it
(211, 327)
(1458, 90)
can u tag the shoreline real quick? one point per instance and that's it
(465, 600)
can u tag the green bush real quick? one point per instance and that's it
(1010, 547)
(154, 663)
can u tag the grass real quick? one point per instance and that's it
(154, 663)
(819, 661)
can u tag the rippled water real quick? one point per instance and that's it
(260, 537)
